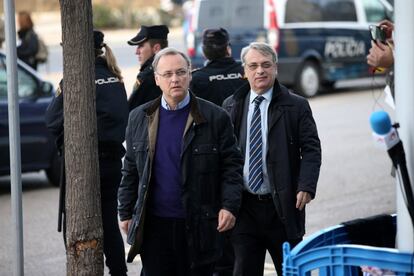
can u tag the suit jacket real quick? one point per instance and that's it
(293, 156)
(211, 166)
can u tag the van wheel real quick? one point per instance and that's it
(53, 172)
(308, 80)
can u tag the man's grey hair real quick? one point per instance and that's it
(263, 48)
(169, 51)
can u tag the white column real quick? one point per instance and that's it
(404, 90)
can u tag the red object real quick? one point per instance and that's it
(273, 27)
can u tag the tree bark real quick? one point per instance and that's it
(83, 202)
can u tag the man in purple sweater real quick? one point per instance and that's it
(182, 176)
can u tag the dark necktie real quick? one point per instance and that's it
(256, 144)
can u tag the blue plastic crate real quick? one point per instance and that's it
(329, 252)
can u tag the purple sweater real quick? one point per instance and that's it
(165, 200)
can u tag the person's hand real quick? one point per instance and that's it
(302, 198)
(380, 55)
(124, 225)
(388, 27)
(226, 220)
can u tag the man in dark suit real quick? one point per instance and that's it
(182, 176)
(278, 137)
(149, 41)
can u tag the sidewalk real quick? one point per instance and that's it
(48, 26)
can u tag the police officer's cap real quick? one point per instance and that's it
(149, 32)
(215, 38)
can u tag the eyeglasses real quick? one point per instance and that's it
(170, 74)
(264, 65)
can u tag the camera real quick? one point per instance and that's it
(377, 34)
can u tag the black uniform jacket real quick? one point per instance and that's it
(293, 156)
(111, 111)
(145, 88)
(218, 80)
(211, 166)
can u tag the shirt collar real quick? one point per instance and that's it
(267, 95)
(180, 105)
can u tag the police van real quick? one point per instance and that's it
(318, 42)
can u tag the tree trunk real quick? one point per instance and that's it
(83, 202)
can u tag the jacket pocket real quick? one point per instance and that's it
(206, 158)
(140, 151)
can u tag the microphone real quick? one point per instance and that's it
(384, 134)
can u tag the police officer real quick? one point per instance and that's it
(112, 117)
(149, 41)
(222, 75)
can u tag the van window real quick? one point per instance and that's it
(230, 14)
(374, 11)
(318, 11)
(211, 11)
(339, 10)
(247, 14)
(303, 11)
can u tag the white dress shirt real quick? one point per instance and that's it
(180, 105)
(264, 106)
